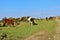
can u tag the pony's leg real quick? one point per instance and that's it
(18, 23)
(12, 24)
(8, 24)
(34, 23)
(30, 23)
(4, 24)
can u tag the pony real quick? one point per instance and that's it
(8, 21)
(31, 20)
(50, 18)
(46, 18)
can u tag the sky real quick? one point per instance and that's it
(34, 8)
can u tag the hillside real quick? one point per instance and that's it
(24, 29)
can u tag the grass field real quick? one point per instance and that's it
(24, 30)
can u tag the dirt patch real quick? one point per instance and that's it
(57, 31)
(39, 36)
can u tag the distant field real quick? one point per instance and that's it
(24, 30)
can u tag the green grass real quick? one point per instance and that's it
(25, 29)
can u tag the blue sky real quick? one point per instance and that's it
(34, 8)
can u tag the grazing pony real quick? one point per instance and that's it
(17, 21)
(50, 18)
(46, 18)
(31, 20)
(8, 21)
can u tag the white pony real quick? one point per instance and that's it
(31, 20)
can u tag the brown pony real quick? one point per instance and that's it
(50, 18)
(8, 21)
